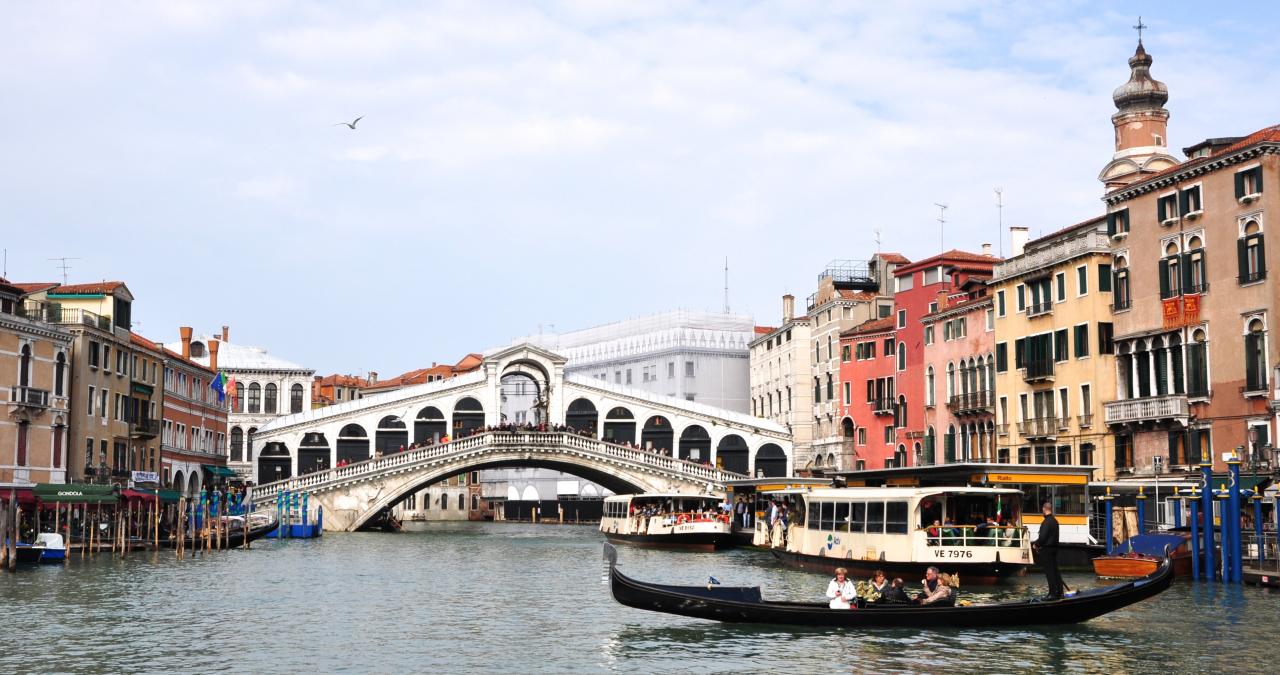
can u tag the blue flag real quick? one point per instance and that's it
(219, 385)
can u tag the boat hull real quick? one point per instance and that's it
(739, 604)
(970, 573)
(1126, 567)
(689, 541)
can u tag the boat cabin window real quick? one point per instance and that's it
(969, 509)
(842, 517)
(875, 517)
(895, 518)
(1066, 499)
(858, 517)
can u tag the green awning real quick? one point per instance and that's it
(219, 470)
(72, 493)
(165, 495)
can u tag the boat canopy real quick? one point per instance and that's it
(1151, 544)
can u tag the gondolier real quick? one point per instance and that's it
(1046, 547)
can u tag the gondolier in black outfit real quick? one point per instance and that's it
(1046, 546)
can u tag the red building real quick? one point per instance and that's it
(921, 287)
(868, 392)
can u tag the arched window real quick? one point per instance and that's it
(60, 375)
(462, 502)
(295, 398)
(269, 406)
(1120, 289)
(951, 380)
(24, 367)
(237, 444)
(929, 398)
(475, 502)
(255, 398)
(1255, 356)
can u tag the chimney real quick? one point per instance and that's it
(213, 355)
(986, 249)
(225, 331)
(1018, 239)
(185, 332)
(317, 378)
(373, 377)
(788, 307)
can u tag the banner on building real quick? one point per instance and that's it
(1190, 310)
(1172, 313)
(145, 477)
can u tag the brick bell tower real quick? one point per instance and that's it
(1141, 123)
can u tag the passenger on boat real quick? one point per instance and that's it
(942, 593)
(841, 590)
(896, 593)
(933, 535)
(929, 582)
(878, 582)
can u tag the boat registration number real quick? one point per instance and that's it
(953, 554)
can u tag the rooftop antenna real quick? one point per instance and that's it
(942, 226)
(5, 273)
(1000, 218)
(62, 264)
(726, 284)
(877, 240)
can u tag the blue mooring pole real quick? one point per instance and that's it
(1177, 512)
(1106, 501)
(1142, 511)
(1206, 508)
(1257, 525)
(1237, 548)
(1195, 540)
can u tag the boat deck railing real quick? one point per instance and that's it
(1261, 553)
(975, 535)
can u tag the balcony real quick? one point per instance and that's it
(1252, 277)
(883, 406)
(56, 314)
(971, 403)
(1041, 427)
(1121, 305)
(1002, 429)
(29, 397)
(1196, 289)
(1040, 370)
(143, 428)
(1040, 309)
(1151, 410)
(1086, 421)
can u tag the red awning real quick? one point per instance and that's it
(132, 495)
(25, 496)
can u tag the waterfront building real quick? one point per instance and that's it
(1193, 305)
(331, 389)
(781, 370)
(194, 451)
(959, 377)
(690, 355)
(266, 387)
(921, 289)
(435, 373)
(144, 406)
(1054, 365)
(868, 381)
(849, 293)
(107, 437)
(35, 383)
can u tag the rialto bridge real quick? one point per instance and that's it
(623, 439)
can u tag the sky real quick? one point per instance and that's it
(551, 166)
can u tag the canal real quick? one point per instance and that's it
(526, 598)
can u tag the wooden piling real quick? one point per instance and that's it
(4, 533)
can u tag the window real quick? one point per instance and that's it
(295, 398)
(862, 435)
(888, 434)
(1255, 357)
(991, 320)
(1249, 183)
(1189, 201)
(102, 403)
(93, 354)
(1170, 273)
(237, 444)
(688, 368)
(60, 374)
(1118, 222)
(1082, 340)
(1022, 297)
(255, 398)
(269, 406)
(1251, 255)
(1086, 399)
(888, 347)
(844, 353)
(1002, 357)
(1120, 290)
(1060, 347)
(1060, 279)
(628, 376)
(671, 370)
(902, 359)
(929, 387)
(1167, 209)
(1082, 280)
(848, 398)
(106, 357)
(1000, 303)
(902, 318)
(831, 393)
(928, 335)
(1198, 365)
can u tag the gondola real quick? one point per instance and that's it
(261, 525)
(744, 604)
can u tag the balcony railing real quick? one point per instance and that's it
(1119, 305)
(29, 397)
(1251, 277)
(883, 406)
(1002, 429)
(143, 427)
(56, 314)
(1196, 289)
(1152, 409)
(1040, 370)
(1040, 309)
(1086, 421)
(1040, 427)
(970, 403)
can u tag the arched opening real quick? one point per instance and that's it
(468, 416)
(273, 463)
(620, 426)
(255, 398)
(732, 454)
(695, 444)
(60, 375)
(521, 399)
(313, 453)
(771, 461)
(430, 425)
(269, 405)
(237, 444)
(353, 444)
(831, 460)
(24, 367)
(846, 428)
(657, 434)
(391, 435)
(178, 482)
(513, 493)
(193, 483)
(530, 494)
(582, 416)
(295, 399)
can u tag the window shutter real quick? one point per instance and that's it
(1164, 278)
(1111, 224)
(1173, 447)
(1262, 255)
(1179, 383)
(1184, 201)
(1239, 184)
(1060, 345)
(1257, 179)
(1186, 272)
(1019, 352)
(1160, 215)
(1242, 257)
(1002, 357)
(1251, 363)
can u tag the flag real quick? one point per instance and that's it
(219, 384)
(233, 390)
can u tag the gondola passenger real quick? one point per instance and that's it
(943, 593)
(841, 590)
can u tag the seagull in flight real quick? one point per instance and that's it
(350, 125)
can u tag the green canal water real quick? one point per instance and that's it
(524, 598)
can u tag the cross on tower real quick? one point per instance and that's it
(1140, 27)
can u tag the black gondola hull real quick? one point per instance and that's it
(970, 573)
(692, 541)
(738, 604)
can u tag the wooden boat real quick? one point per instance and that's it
(1140, 555)
(260, 525)
(744, 604)
(675, 521)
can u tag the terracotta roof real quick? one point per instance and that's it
(469, 363)
(177, 356)
(863, 296)
(872, 326)
(1268, 135)
(136, 339)
(895, 258)
(765, 330)
(345, 381)
(952, 256)
(97, 288)
(35, 286)
(962, 304)
(1057, 233)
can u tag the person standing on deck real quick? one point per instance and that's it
(1046, 547)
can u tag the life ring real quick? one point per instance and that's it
(682, 519)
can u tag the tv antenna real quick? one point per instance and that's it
(1000, 218)
(877, 240)
(726, 284)
(942, 226)
(62, 265)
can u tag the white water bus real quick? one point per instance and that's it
(667, 521)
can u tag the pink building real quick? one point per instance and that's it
(959, 380)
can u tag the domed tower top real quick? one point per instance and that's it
(1141, 124)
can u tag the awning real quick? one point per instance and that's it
(72, 493)
(138, 495)
(215, 470)
(24, 496)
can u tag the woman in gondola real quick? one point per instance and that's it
(841, 590)
(942, 594)
(879, 582)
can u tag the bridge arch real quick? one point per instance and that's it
(695, 444)
(468, 416)
(732, 454)
(771, 461)
(353, 444)
(429, 425)
(657, 434)
(274, 463)
(620, 426)
(390, 435)
(583, 416)
(314, 453)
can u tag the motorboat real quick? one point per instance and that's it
(1140, 555)
(675, 521)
